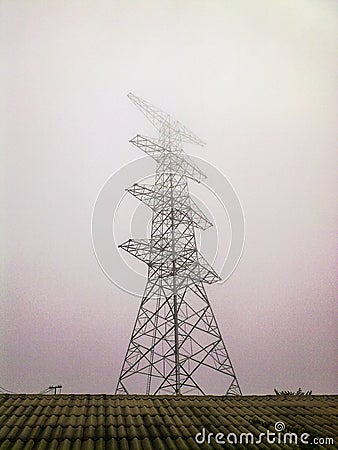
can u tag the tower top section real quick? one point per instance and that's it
(164, 123)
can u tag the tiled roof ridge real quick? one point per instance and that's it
(171, 397)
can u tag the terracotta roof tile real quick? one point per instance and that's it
(5, 430)
(146, 444)
(138, 420)
(111, 432)
(123, 444)
(135, 422)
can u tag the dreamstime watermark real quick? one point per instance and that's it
(114, 221)
(269, 437)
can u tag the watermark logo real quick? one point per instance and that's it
(279, 426)
(269, 437)
(118, 216)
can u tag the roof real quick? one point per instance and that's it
(136, 422)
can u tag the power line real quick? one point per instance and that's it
(6, 391)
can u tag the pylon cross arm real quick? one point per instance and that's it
(185, 208)
(171, 161)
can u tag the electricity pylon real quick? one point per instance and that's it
(175, 340)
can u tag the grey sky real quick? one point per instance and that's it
(256, 81)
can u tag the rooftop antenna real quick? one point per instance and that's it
(55, 388)
(175, 339)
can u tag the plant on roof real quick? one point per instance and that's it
(298, 393)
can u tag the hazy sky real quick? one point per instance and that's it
(256, 81)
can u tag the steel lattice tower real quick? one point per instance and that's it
(175, 336)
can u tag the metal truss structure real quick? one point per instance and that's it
(176, 342)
